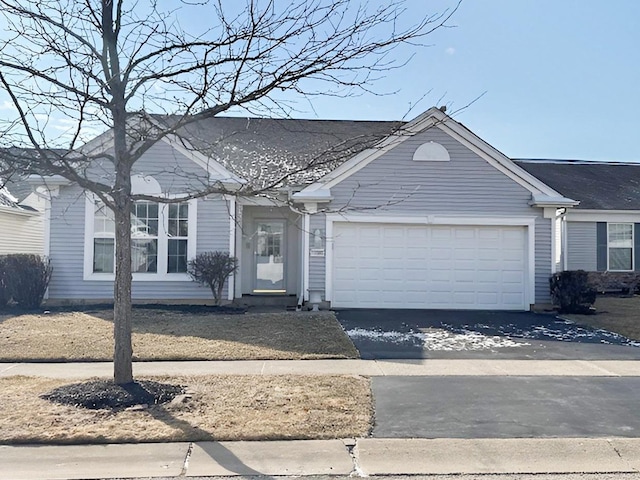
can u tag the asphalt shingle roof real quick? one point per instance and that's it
(597, 185)
(263, 150)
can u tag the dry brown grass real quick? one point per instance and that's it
(221, 408)
(171, 335)
(616, 314)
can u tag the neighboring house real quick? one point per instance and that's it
(417, 215)
(602, 233)
(21, 221)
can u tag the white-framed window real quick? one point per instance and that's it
(620, 247)
(163, 240)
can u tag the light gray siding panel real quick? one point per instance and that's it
(317, 265)
(21, 233)
(543, 259)
(174, 172)
(582, 246)
(67, 252)
(465, 185)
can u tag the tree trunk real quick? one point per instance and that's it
(123, 350)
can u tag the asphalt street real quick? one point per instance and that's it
(506, 407)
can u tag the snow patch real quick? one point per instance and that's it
(435, 339)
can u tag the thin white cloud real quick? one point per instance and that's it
(450, 51)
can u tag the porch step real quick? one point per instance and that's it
(284, 301)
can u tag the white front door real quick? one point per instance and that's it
(269, 254)
(438, 266)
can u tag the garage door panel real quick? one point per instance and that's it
(411, 266)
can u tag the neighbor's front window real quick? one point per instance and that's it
(159, 238)
(620, 246)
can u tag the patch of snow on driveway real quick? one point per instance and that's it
(436, 339)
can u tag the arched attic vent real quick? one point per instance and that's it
(431, 152)
(144, 185)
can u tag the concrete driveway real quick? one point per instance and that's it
(414, 334)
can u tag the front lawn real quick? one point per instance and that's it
(217, 407)
(614, 313)
(171, 334)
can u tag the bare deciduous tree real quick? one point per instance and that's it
(96, 65)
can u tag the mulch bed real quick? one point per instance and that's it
(105, 394)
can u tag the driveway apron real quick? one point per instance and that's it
(423, 334)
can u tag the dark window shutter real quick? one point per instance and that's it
(601, 238)
(636, 246)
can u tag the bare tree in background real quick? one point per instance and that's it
(103, 64)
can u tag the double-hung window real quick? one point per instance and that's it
(162, 240)
(620, 246)
(104, 228)
(177, 242)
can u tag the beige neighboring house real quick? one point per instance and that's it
(21, 223)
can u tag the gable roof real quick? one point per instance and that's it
(542, 194)
(598, 185)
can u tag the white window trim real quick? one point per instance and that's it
(633, 250)
(161, 275)
(527, 222)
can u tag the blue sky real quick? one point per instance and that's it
(556, 78)
(562, 77)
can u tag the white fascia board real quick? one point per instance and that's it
(623, 216)
(19, 211)
(216, 171)
(541, 200)
(321, 195)
(495, 158)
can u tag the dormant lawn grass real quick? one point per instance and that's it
(616, 314)
(220, 408)
(174, 335)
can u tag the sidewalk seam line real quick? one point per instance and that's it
(187, 457)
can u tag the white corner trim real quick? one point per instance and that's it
(306, 232)
(231, 284)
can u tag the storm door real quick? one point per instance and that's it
(269, 253)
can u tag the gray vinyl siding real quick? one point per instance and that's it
(68, 231)
(466, 185)
(543, 260)
(582, 246)
(317, 265)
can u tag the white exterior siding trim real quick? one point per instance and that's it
(609, 216)
(528, 222)
(88, 273)
(231, 202)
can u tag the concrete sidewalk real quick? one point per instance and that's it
(322, 457)
(434, 367)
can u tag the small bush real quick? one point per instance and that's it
(572, 291)
(5, 295)
(27, 278)
(212, 269)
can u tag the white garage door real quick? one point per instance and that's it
(415, 266)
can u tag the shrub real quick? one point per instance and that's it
(572, 291)
(5, 295)
(27, 278)
(212, 269)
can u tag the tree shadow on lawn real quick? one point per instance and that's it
(303, 334)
